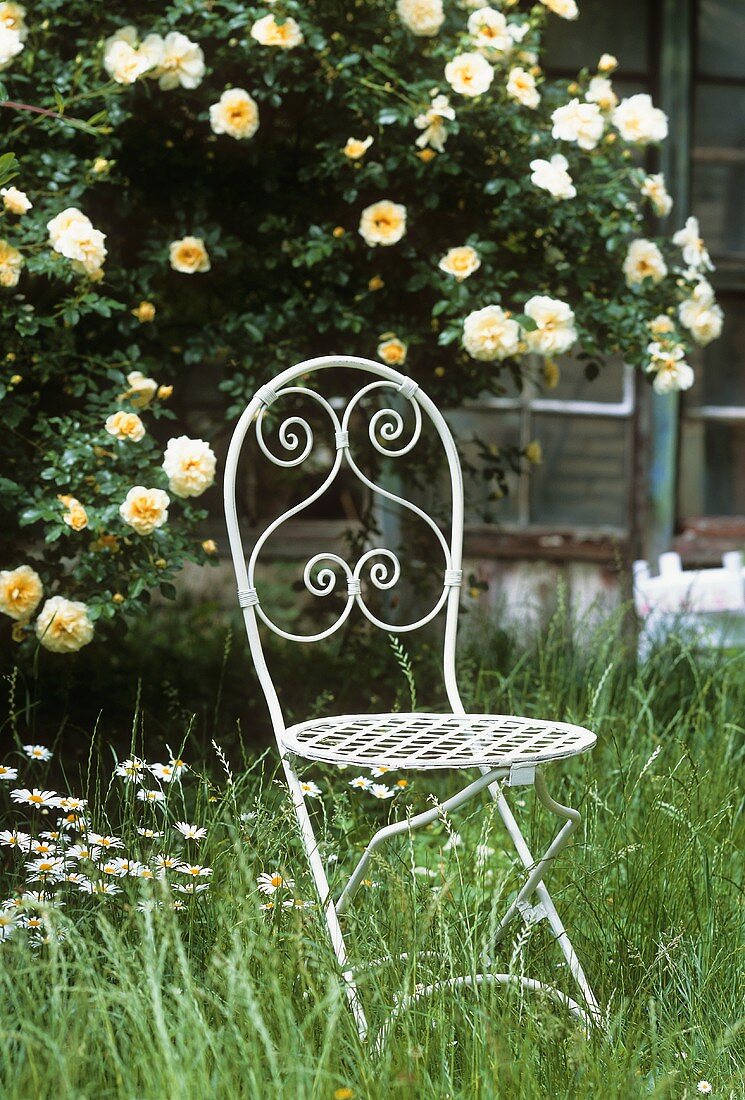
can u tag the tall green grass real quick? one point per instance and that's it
(227, 1000)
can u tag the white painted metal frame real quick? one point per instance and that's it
(507, 751)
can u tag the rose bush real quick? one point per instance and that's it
(234, 186)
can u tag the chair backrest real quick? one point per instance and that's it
(388, 435)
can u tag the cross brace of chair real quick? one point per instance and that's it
(533, 902)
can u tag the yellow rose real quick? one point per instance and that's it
(209, 546)
(164, 392)
(534, 453)
(11, 262)
(190, 466)
(460, 262)
(235, 114)
(376, 283)
(355, 148)
(189, 256)
(284, 36)
(392, 351)
(144, 510)
(63, 626)
(144, 313)
(383, 223)
(76, 516)
(100, 165)
(125, 425)
(20, 592)
(426, 155)
(141, 390)
(469, 74)
(15, 201)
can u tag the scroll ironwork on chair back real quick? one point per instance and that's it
(378, 566)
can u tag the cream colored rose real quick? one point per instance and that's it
(20, 592)
(383, 223)
(13, 18)
(124, 59)
(189, 256)
(694, 250)
(488, 29)
(11, 263)
(144, 510)
(235, 114)
(600, 91)
(643, 261)
(432, 122)
(75, 515)
(190, 466)
(460, 262)
(125, 426)
(489, 334)
(15, 201)
(639, 121)
(671, 372)
(654, 189)
(701, 315)
(284, 36)
(72, 234)
(174, 60)
(578, 122)
(392, 351)
(469, 74)
(567, 9)
(11, 44)
(356, 148)
(145, 312)
(63, 626)
(422, 17)
(521, 86)
(660, 325)
(141, 390)
(552, 176)
(607, 63)
(555, 333)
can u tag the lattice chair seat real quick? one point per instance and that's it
(435, 740)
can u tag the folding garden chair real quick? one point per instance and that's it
(506, 751)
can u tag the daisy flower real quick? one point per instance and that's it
(14, 838)
(150, 834)
(42, 848)
(191, 832)
(271, 881)
(190, 887)
(153, 797)
(8, 925)
(379, 790)
(37, 752)
(45, 869)
(71, 803)
(8, 773)
(362, 783)
(83, 851)
(704, 1087)
(75, 877)
(99, 887)
(115, 868)
(193, 869)
(311, 789)
(381, 769)
(107, 842)
(162, 862)
(178, 766)
(73, 823)
(296, 903)
(131, 769)
(35, 797)
(164, 772)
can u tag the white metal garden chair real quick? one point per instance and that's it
(507, 751)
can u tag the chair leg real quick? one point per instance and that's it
(324, 896)
(534, 887)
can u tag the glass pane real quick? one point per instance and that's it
(717, 202)
(712, 474)
(720, 375)
(495, 429)
(573, 384)
(721, 30)
(620, 29)
(583, 479)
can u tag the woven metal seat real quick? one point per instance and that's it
(435, 740)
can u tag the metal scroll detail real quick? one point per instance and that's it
(379, 566)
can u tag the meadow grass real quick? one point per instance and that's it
(225, 999)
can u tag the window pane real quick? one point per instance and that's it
(719, 167)
(712, 475)
(574, 386)
(720, 378)
(495, 429)
(620, 29)
(583, 479)
(721, 31)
